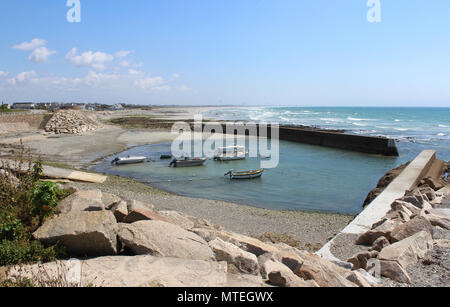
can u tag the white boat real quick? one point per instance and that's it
(188, 162)
(245, 175)
(128, 160)
(230, 153)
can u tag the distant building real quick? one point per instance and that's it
(24, 106)
(5, 106)
(116, 107)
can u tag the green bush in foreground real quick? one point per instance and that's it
(24, 207)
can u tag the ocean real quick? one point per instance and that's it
(308, 178)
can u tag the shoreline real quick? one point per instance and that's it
(82, 151)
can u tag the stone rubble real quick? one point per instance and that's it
(71, 122)
(171, 249)
(406, 234)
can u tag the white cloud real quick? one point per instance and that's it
(40, 55)
(122, 54)
(28, 46)
(149, 83)
(3, 74)
(134, 72)
(99, 67)
(88, 58)
(23, 77)
(127, 64)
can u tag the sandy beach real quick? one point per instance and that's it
(84, 150)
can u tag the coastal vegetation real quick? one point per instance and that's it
(26, 202)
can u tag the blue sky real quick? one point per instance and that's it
(246, 52)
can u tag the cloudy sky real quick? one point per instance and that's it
(252, 52)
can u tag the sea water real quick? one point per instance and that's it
(308, 178)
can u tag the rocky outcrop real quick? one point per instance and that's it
(123, 271)
(244, 261)
(82, 233)
(163, 239)
(383, 183)
(90, 200)
(71, 122)
(409, 250)
(174, 249)
(280, 275)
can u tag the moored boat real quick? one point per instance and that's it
(245, 175)
(230, 153)
(188, 162)
(128, 160)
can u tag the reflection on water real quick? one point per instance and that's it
(308, 178)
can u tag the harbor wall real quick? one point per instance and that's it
(380, 206)
(326, 138)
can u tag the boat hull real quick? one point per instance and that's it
(245, 175)
(124, 161)
(189, 163)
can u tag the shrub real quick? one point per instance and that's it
(25, 203)
(24, 252)
(44, 197)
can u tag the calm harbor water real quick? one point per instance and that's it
(308, 177)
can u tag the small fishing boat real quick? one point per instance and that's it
(166, 157)
(245, 175)
(188, 162)
(231, 153)
(128, 160)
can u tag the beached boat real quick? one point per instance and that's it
(188, 162)
(245, 175)
(128, 160)
(231, 153)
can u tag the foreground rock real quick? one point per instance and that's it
(242, 260)
(137, 271)
(163, 239)
(280, 275)
(409, 250)
(82, 201)
(82, 233)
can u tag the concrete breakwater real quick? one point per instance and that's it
(326, 138)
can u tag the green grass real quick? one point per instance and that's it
(11, 111)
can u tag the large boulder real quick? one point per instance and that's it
(177, 218)
(379, 244)
(90, 200)
(120, 211)
(360, 260)
(428, 191)
(393, 270)
(248, 244)
(409, 250)
(121, 271)
(163, 239)
(322, 271)
(280, 275)
(382, 230)
(136, 215)
(410, 228)
(82, 233)
(246, 262)
(407, 208)
(109, 200)
(435, 184)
